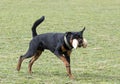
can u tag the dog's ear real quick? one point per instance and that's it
(81, 32)
(68, 33)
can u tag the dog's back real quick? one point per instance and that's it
(49, 40)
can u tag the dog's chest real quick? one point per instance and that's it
(63, 49)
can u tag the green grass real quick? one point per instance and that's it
(99, 63)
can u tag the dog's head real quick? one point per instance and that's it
(76, 39)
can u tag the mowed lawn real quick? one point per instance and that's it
(99, 63)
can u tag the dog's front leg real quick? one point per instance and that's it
(67, 64)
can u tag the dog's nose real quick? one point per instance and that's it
(85, 43)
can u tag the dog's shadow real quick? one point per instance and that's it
(80, 77)
(47, 74)
(97, 77)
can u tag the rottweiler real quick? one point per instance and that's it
(61, 44)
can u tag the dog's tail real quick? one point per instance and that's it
(37, 22)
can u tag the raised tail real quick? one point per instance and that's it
(37, 22)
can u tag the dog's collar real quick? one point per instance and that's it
(66, 42)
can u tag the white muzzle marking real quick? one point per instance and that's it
(75, 43)
(84, 43)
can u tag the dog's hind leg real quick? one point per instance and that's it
(19, 63)
(31, 52)
(34, 58)
(21, 58)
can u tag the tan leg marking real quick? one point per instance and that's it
(34, 58)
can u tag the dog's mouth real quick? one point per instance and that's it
(82, 43)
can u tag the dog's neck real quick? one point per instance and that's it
(67, 43)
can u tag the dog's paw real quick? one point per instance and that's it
(71, 77)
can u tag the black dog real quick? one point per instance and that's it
(61, 44)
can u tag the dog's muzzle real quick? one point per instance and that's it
(84, 43)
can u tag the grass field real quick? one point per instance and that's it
(99, 63)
